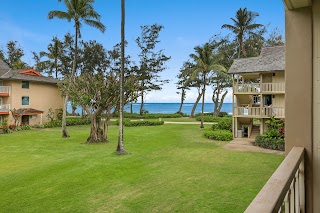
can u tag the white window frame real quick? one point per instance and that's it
(28, 85)
(22, 98)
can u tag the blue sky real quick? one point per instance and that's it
(187, 23)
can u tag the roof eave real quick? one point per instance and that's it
(296, 4)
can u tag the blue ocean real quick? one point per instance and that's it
(171, 108)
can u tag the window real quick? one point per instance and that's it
(25, 84)
(25, 100)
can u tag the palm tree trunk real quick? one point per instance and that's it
(120, 147)
(64, 118)
(131, 108)
(195, 105)
(65, 133)
(182, 99)
(203, 96)
(142, 103)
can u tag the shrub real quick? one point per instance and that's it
(129, 123)
(223, 124)
(219, 135)
(70, 122)
(151, 116)
(270, 143)
(213, 118)
(5, 127)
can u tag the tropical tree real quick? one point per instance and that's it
(13, 55)
(78, 11)
(54, 55)
(205, 64)
(120, 147)
(151, 63)
(183, 83)
(243, 26)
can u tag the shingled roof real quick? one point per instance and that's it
(9, 74)
(271, 59)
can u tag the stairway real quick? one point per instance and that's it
(255, 131)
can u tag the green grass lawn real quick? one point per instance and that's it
(170, 168)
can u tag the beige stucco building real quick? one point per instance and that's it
(28, 92)
(258, 91)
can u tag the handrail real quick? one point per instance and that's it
(5, 89)
(5, 108)
(285, 190)
(257, 88)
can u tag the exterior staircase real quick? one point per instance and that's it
(255, 131)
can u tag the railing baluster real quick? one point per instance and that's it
(292, 196)
(301, 186)
(297, 192)
(287, 203)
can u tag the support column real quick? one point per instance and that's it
(298, 98)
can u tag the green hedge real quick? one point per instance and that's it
(70, 122)
(151, 116)
(223, 124)
(270, 143)
(129, 123)
(213, 118)
(219, 135)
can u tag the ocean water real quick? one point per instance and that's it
(171, 108)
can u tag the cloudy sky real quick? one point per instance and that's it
(187, 23)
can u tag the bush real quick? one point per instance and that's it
(270, 143)
(213, 118)
(151, 116)
(70, 122)
(5, 127)
(219, 135)
(223, 124)
(129, 123)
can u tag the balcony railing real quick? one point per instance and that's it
(5, 108)
(255, 88)
(246, 88)
(5, 90)
(285, 190)
(259, 112)
(272, 87)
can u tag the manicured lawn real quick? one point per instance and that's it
(170, 168)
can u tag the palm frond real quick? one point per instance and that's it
(59, 14)
(96, 24)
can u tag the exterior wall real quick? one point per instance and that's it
(278, 77)
(316, 104)
(42, 96)
(298, 99)
(278, 100)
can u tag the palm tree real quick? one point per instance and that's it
(55, 53)
(243, 24)
(120, 148)
(77, 11)
(205, 63)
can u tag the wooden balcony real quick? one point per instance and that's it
(262, 112)
(5, 91)
(257, 88)
(4, 109)
(285, 190)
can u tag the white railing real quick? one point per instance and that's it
(285, 190)
(5, 108)
(5, 89)
(250, 111)
(256, 87)
(246, 88)
(272, 87)
(272, 111)
(261, 112)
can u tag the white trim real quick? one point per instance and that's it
(25, 104)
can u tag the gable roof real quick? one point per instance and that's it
(271, 59)
(24, 75)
